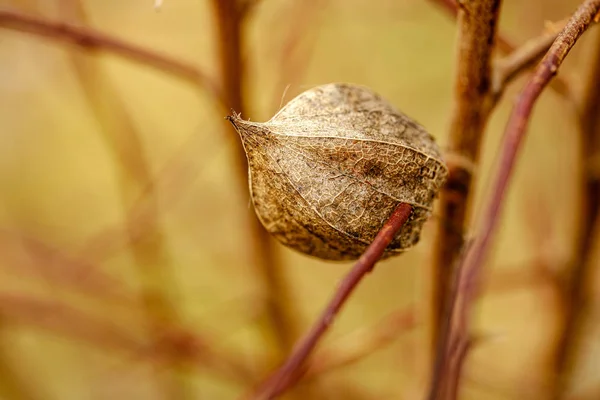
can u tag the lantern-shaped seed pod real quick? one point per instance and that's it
(329, 168)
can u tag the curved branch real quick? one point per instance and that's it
(522, 58)
(94, 40)
(292, 368)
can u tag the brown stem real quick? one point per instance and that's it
(577, 290)
(471, 266)
(530, 275)
(473, 103)
(91, 39)
(278, 307)
(289, 372)
(453, 7)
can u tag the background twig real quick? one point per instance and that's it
(91, 39)
(291, 369)
(523, 57)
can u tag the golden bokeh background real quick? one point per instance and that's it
(92, 143)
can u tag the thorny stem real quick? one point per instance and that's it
(292, 368)
(89, 38)
(477, 22)
(576, 290)
(470, 268)
(281, 317)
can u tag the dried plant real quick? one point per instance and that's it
(329, 168)
(338, 173)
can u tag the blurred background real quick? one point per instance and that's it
(131, 266)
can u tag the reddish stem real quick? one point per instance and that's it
(289, 371)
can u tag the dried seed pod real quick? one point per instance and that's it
(329, 168)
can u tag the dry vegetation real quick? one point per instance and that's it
(133, 265)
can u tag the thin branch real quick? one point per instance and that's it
(522, 58)
(94, 40)
(477, 22)
(363, 344)
(471, 266)
(279, 381)
(141, 220)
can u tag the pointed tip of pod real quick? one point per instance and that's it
(241, 125)
(233, 118)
